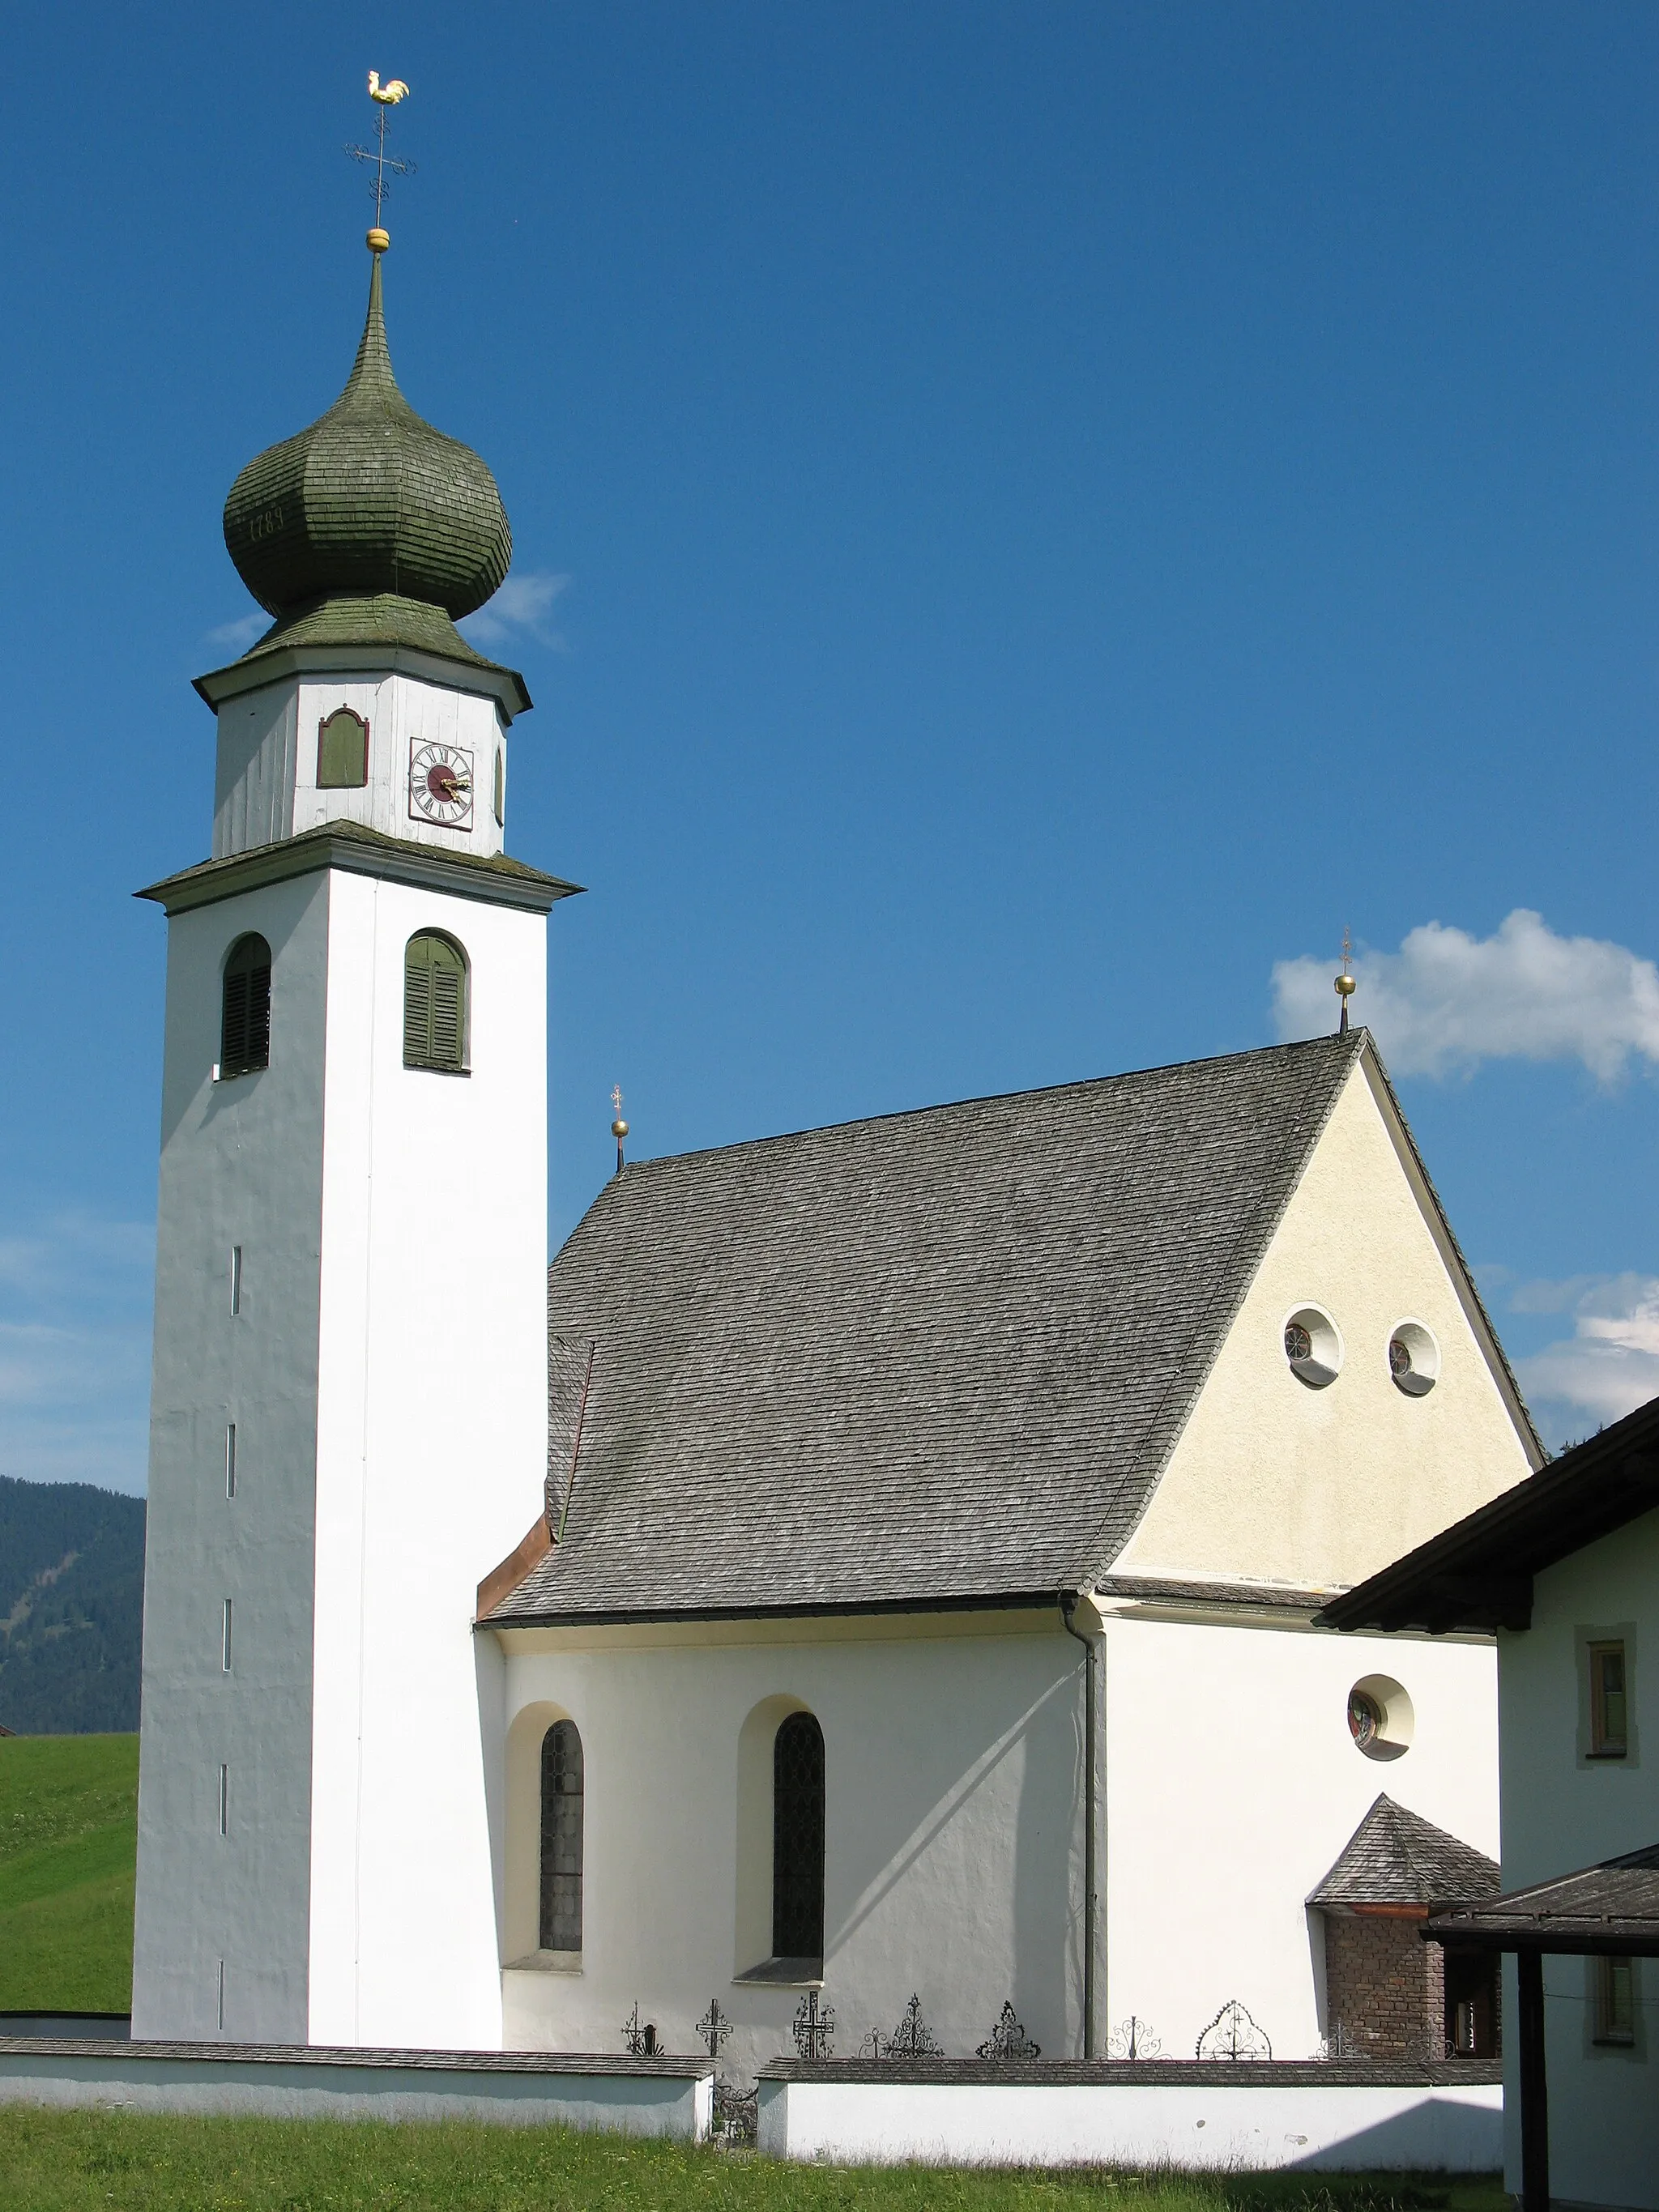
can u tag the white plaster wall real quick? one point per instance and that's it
(266, 785)
(1229, 1785)
(431, 1452)
(387, 1374)
(1233, 1783)
(241, 1164)
(1318, 1488)
(953, 1849)
(267, 2086)
(1218, 2124)
(1562, 1812)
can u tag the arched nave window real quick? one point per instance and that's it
(561, 1839)
(245, 1010)
(434, 1003)
(797, 1838)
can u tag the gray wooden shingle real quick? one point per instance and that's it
(932, 1357)
(1397, 1858)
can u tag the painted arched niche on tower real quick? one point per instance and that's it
(758, 1751)
(521, 1944)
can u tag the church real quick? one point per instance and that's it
(913, 1644)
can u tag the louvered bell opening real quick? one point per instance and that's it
(446, 1017)
(244, 1022)
(434, 1004)
(417, 1012)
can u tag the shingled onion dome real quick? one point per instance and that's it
(370, 500)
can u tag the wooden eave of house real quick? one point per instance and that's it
(1477, 1574)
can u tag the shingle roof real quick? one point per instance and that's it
(1397, 1858)
(1611, 1906)
(934, 1356)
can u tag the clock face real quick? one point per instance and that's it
(440, 786)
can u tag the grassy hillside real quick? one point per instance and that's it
(69, 1839)
(71, 1603)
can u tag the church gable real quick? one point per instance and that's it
(937, 1357)
(1313, 1481)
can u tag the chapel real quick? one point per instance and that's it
(913, 1646)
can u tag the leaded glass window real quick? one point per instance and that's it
(434, 1003)
(245, 1012)
(798, 1840)
(561, 1839)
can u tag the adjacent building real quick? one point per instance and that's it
(1563, 1569)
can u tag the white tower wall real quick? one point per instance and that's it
(387, 1375)
(241, 1164)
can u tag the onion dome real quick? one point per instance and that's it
(370, 500)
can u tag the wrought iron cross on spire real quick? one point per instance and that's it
(385, 166)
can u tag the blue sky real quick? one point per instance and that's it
(1027, 520)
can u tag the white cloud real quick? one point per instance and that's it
(523, 604)
(1446, 1000)
(237, 636)
(1610, 1363)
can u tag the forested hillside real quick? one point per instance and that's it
(71, 1601)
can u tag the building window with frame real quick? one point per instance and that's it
(561, 1839)
(245, 1009)
(798, 1804)
(1609, 1714)
(1614, 2001)
(434, 1003)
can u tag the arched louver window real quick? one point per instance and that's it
(561, 1839)
(434, 1003)
(798, 1840)
(244, 1017)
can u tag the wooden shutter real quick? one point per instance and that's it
(342, 751)
(434, 1004)
(245, 1016)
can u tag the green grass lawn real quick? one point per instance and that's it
(141, 2162)
(68, 1840)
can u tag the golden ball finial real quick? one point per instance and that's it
(379, 240)
(619, 1129)
(1346, 984)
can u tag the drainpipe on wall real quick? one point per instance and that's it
(1070, 1600)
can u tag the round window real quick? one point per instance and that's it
(1380, 1717)
(1313, 1347)
(1413, 1358)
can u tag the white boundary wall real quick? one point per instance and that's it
(1228, 2123)
(663, 2097)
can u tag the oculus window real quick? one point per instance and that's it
(434, 1004)
(245, 1009)
(560, 1926)
(1313, 1346)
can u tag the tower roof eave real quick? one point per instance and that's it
(381, 633)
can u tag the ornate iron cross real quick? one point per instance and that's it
(385, 98)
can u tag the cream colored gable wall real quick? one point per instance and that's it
(1274, 1481)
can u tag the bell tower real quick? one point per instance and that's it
(349, 1394)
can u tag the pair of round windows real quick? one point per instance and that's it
(1314, 1351)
